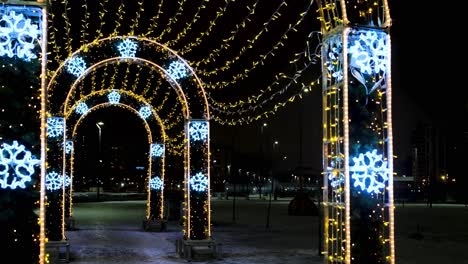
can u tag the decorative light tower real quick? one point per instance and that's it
(357, 132)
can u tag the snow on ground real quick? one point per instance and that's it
(110, 232)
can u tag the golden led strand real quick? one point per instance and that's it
(136, 20)
(43, 133)
(172, 20)
(137, 78)
(254, 64)
(154, 20)
(102, 22)
(207, 32)
(253, 99)
(188, 25)
(84, 25)
(225, 42)
(53, 40)
(68, 39)
(119, 20)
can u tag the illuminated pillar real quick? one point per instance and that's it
(357, 132)
(68, 178)
(22, 121)
(197, 181)
(54, 183)
(156, 182)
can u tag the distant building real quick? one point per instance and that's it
(429, 166)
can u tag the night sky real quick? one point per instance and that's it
(426, 90)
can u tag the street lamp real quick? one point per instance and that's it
(98, 180)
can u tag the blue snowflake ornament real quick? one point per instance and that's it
(127, 48)
(369, 52)
(156, 184)
(199, 182)
(145, 111)
(177, 70)
(157, 150)
(76, 66)
(16, 166)
(198, 130)
(114, 97)
(369, 172)
(54, 181)
(68, 146)
(18, 36)
(55, 126)
(82, 108)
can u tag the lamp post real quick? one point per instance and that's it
(98, 178)
(275, 143)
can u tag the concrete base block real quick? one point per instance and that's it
(199, 250)
(58, 251)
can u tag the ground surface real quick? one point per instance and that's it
(110, 232)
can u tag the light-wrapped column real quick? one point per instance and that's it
(54, 182)
(197, 181)
(156, 182)
(357, 143)
(68, 172)
(23, 29)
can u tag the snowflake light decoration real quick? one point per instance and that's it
(54, 181)
(67, 181)
(55, 126)
(145, 111)
(177, 70)
(76, 66)
(199, 182)
(68, 146)
(157, 150)
(156, 184)
(82, 108)
(17, 36)
(114, 97)
(335, 177)
(333, 60)
(198, 130)
(369, 52)
(16, 166)
(369, 172)
(127, 48)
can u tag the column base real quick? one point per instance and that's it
(58, 251)
(154, 225)
(198, 250)
(70, 223)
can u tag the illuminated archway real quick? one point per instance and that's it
(188, 87)
(127, 100)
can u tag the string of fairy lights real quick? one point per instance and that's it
(188, 33)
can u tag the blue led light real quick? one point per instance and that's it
(18, 35)
(54, 181)
(369, 52)
(156, 184)
(199, 182)
(127, 48)
(82, 108)
(157, 150)
(177, 70)
(67, 181)
(55, 126)
(76, 66)
(114, 97)
(68, 146)
(198, 130)
(369, 172)
(145, 111)
(16, 166)
(333, 62)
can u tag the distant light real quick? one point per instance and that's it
(100, 123)
(265, 124)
